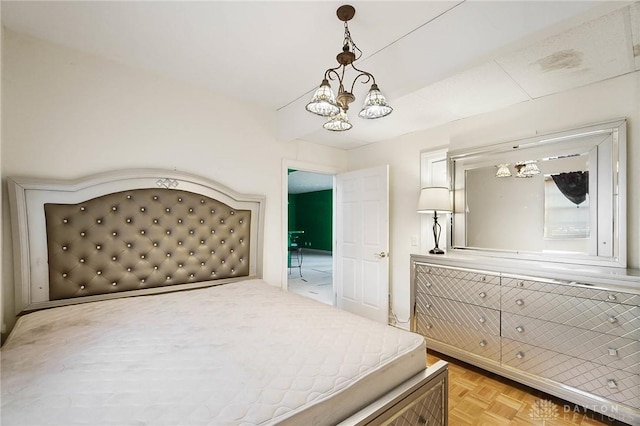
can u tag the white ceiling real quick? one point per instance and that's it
(435, 61)
(300, 182)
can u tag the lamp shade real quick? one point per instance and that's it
(503, 171)
(527, 169)
(338, 123)
(324, 101)
(434, 199)
(375, 104)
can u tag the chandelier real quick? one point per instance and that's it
(527, 169)
(524, 169)
(326, 104)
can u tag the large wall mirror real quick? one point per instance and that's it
(559, 197)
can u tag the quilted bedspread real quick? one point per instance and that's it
(245, 353)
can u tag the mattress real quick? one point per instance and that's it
(244, 353)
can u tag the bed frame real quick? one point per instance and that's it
(136, 232)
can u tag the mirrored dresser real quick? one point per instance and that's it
(569, 330)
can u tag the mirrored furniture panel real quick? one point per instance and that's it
(558, 197)
(571, 332)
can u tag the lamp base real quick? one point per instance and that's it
(436, 251)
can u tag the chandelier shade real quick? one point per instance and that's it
(527, 169)
(503, 171)
(326, 104)
(375, 104)
(338, 123)
(323, 102)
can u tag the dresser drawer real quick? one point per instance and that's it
(463, 286)
(612, 351)
(583, 291)
(598, 379)
(588, 314)
(474, 341)
(463, 314)
(459, 273)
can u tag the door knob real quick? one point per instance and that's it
(381, 255)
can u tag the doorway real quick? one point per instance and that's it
(310, 198)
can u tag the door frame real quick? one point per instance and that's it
(312, 168)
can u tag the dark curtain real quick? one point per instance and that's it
(573, 185)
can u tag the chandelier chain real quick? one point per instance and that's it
(348, 41)
(339, 71)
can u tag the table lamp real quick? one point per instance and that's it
(435, 199)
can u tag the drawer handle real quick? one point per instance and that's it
(611, 384)
(520, 355)
(613, 352)
(519, 302)
(483, 343)
(482, 294)
(611, 297)
(613, 320)
(520, 329)
(481, 320)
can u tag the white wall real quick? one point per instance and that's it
(611, 99)
(67, 114)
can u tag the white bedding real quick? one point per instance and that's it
(237, 354)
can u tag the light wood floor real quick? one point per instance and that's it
(478, 397)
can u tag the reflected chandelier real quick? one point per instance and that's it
(326, 104)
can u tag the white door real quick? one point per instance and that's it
(362, 249)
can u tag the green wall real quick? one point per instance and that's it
(312, 213)
(292, 212)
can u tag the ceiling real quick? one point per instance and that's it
(300, 182)
(435, 61)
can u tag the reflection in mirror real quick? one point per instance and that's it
(553, 197)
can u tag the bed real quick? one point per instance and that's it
(141, 302)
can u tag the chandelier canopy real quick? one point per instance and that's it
(326, 104)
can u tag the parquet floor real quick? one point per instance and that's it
(478, 397)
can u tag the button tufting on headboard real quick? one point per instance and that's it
(143, 238)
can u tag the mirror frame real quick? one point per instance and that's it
(465, 159)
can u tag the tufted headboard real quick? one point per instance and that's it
(129, 233)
